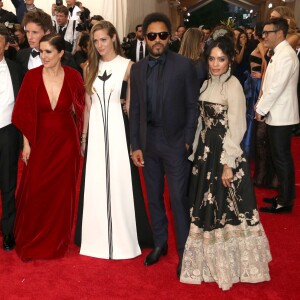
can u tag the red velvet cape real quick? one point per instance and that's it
(24, 114)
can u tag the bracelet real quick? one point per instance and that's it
(83, 138)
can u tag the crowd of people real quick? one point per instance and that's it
(193, 108)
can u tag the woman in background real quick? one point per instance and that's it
(192, 47)
(226, 242)
(51, 152)
(252, 88)
(242, 57)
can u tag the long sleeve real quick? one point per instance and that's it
(277, 77)
(134, 112)
(24, 115)
(236, 123)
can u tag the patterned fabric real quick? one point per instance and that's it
(226, 243)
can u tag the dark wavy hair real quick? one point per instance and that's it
(156, 17)
(55, 40)
(225, 44)
(279, 24)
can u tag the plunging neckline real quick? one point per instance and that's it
(49, 101)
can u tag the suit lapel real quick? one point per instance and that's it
(143, 79)
(14, 77)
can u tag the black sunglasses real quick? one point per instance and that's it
(151, 36)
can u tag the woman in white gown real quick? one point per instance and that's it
(108, 227)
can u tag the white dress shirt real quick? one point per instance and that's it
(7, 99)
(34, 62)
(137, 52)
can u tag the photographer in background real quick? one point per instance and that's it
(127, 44)
(7, 16)
(65, 27)
(17, 40)
(22, 7)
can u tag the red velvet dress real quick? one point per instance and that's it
(46, 197)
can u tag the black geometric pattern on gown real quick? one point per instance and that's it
(104, 103)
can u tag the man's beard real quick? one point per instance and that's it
(155, 54)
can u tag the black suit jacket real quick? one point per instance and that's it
(180, 94)
(132, 50)
(24, 55)
(16, 75)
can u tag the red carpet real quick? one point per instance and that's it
(79, 277)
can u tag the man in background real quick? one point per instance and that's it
(10, 77)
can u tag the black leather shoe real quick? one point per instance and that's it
(179, 268)
(155, 254)
(273, 210)
(8, 242)
(272, 200)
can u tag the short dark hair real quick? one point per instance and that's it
(40, 18)
(206, 27)
(4, 32)
(279, 24)
(156, 17)
(137, 26)
(62, 9)
(180, 26)
(55, 40)
(97, 18)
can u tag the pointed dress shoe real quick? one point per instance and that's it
(273, 210)
(8, 242)
(155, 254)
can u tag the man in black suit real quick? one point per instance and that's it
(138, 49)
(10, 75)
(37, 24)
(163, 112)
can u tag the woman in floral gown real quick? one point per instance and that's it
(226, 242)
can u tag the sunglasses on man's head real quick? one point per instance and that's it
(151, 36)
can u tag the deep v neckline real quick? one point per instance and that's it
(49, 101)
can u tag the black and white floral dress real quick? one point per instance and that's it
(226, 242)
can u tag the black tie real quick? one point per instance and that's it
(141, 53)
(60, 30)
(34, 53)
(71, 10)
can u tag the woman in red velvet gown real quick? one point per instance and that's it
(51, 153)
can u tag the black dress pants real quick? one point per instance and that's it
(9, 153)
(163, 159)
(280, 143)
